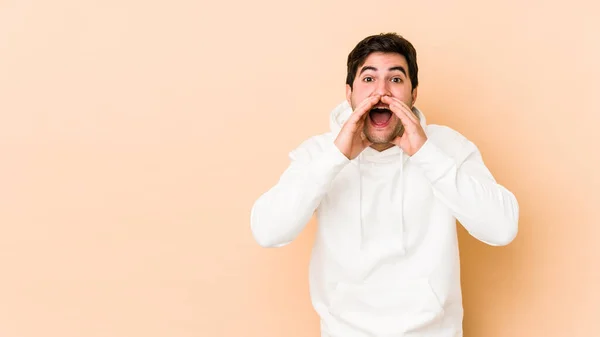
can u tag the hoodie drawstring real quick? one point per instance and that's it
(360, 203)
(401, 208)
(398, 229)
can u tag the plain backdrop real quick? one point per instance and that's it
(136, 135)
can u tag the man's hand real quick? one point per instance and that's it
(351, 140)
(413, 136)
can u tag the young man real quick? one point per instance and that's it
(386, 188)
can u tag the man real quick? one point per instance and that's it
(387, 189)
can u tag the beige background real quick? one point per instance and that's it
(135, 136)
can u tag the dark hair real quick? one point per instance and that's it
(384, 43)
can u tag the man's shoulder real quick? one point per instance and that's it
(443, 132)
(312, 146)
(447, 138)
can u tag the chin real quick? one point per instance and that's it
(386, 137)
(380, 139)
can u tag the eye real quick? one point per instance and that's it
(397, 80)
(368, 79)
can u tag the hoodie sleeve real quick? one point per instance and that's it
(281, 213)
(460, 179)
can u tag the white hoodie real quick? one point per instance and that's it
(385, 262)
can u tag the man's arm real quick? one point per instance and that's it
(459, 177)
(280, 214)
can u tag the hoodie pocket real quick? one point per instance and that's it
(387, 310)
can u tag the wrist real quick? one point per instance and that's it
(338, 144)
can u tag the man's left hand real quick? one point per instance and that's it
(413, 137)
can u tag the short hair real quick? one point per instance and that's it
(384, 43)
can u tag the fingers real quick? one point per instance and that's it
(401, 110)
(363, 108)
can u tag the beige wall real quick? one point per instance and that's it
(136, 135)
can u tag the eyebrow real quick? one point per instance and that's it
(399, 68)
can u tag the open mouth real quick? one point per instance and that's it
(380, 115)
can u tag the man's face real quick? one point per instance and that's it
(384, 74)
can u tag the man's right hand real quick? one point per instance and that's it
(351, 140)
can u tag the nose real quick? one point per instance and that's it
(382, 88)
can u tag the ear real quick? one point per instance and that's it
(349, 94)
(414, 96)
